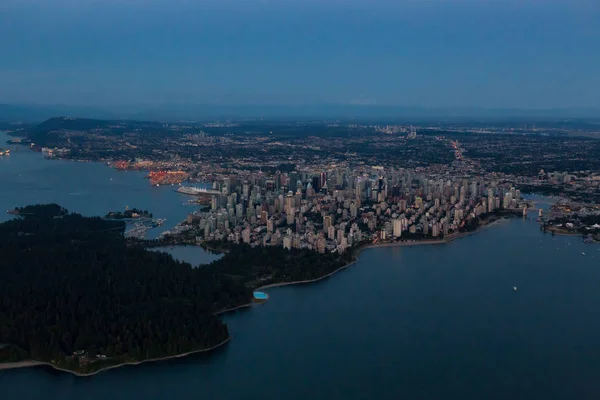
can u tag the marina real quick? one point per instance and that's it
(92, 189)
(139, 227)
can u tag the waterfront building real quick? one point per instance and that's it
(507, 200)
(397, 228)
(435, 230)
(491, 203)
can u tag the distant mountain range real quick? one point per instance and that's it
(174, 112)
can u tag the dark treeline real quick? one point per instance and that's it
(43, 211)
(264, 265)
(70, 283)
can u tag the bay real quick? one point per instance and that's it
(420, 322)
(92, 189)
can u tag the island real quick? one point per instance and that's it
(45, 211)
(78, 296)
(129, 214)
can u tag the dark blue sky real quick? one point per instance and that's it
(451, 53)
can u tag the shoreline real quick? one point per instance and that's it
(447, 240)
(565, 233)
(358, 251)
(272, 285)
(556, 231)
(34, 363)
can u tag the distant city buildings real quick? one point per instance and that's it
(352, 205)
(332, 185)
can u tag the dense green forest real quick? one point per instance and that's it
(42, 211)
(72, 284)
(261, 266)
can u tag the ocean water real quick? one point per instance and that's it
(422, 322)
(27, 178)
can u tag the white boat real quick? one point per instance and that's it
(582, 253)
(515, 288)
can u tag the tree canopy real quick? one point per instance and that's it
(71, 283)
(75, 293)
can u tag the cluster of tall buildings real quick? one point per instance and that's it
(334, 209)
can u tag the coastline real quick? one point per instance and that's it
(34, 363)
(565, 233)
(358, 251)
(447, 240)
(556, 231)
(272, 285)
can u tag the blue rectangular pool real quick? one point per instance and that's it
(261, 296)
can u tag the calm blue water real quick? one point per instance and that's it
(425, 322)
(87, 188)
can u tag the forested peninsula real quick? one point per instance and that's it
(75, 294)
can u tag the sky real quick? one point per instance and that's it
(430, 53)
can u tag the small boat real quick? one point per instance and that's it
(514, 288)
(582, 253)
